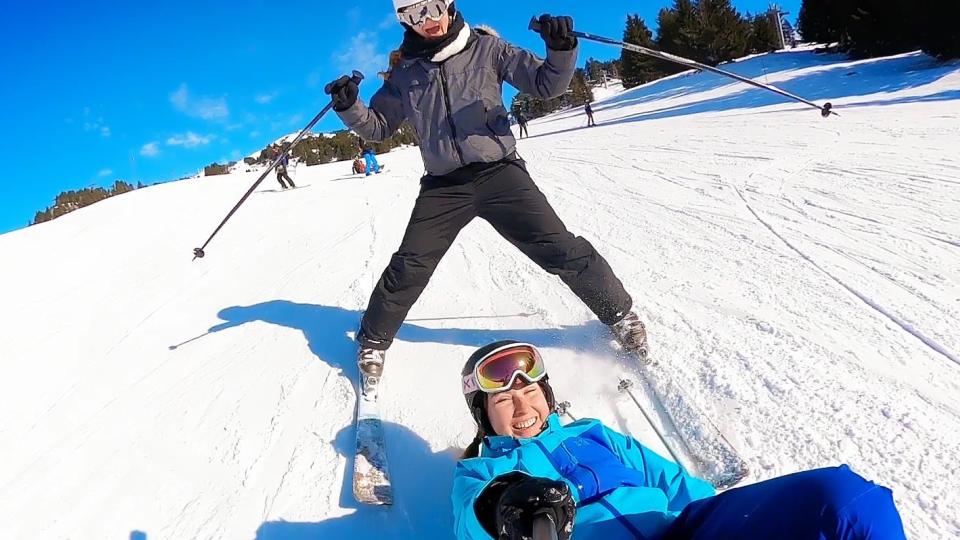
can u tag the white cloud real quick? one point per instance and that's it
(97, 125)
(254, 134)
(150, 149)
(206, 108)
(264, 99)
(105, 172)
(388, 22)
(362, 53)
(190, 140)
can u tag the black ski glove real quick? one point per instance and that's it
(343, 92)
(526, 499)
(556, 32)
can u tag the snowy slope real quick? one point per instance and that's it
(801, 274)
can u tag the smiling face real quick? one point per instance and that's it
(432, 29)
(520, 412)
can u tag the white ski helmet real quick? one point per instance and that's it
(403, 4)
(400, 4)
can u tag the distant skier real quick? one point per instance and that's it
(589, 110)
(371, 164)
(522, 123)
(282, 169)
(448, 87)
(358, 166)
(598, 484)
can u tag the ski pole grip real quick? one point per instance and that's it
(534, 24)
(356, 77)
(543, 527)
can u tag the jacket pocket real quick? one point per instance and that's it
(496, 121)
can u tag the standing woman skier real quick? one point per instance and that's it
(448, 86)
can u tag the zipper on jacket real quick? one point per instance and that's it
(446, 101)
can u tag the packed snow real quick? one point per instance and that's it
(800, 274)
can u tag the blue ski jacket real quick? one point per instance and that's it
(621, 488)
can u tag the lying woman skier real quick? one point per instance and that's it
(596, 483)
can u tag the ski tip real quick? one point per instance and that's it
(733, 479)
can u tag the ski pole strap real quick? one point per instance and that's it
(543, 527)
(825, 110)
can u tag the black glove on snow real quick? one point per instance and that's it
(343, 92)
(556, 32)
(528, 498)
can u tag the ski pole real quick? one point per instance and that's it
(625, 386)
(543, 527)
(198, 253)
(563, 409)
(825, 110)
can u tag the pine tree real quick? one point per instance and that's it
(825, 21)
(938, 27)
(594, 70)
(764, 34)
(883, 27)
(723, 34)
(679, 32)
(636, 68)
(580, 91)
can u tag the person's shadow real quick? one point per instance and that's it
(329, 331)
(422, 481)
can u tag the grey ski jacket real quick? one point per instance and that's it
(456, 106)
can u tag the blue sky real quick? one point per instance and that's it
(97, 91)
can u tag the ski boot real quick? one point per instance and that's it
(632, 335)
(370, 362)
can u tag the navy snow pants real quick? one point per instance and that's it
(822, 504)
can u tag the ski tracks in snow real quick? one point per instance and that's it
(816, 401)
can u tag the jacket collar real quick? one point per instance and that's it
(455, 47)
(499, 445)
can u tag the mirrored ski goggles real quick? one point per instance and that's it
(500, 369)
(418, 14)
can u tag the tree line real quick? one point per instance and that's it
(578, 94)
(341, 145)
(707, 31)
(68, 201)
(867, 28)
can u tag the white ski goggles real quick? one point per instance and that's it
(501, 367)
(419, 13)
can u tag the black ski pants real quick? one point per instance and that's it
(523, 131)
(503, 194)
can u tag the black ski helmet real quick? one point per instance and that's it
(476, 399)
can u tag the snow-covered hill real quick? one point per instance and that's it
(801, 275)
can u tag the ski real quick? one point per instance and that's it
(371, 477)
(692, 439)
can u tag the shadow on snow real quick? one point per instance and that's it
(329, 332)
(422, 481)
(422, 478)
